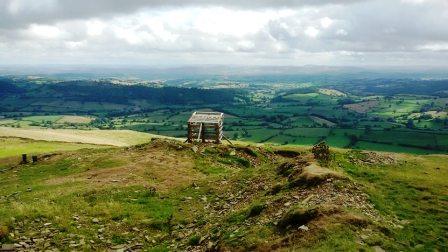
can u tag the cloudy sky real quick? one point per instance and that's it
(263, 32)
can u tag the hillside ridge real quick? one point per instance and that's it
(169, 195)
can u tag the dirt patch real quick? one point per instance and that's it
(155, 167)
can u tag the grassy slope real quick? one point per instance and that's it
(102, 137)
(14, 147)
(414, 191)
(104, 197)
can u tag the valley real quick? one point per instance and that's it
(377, 116)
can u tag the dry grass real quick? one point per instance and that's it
(153, 167)
(75, 119)
(102, 137)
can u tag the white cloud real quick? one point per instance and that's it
(75, 44)
(326, 22)
(311, 31)
(414, 1)
(95, 27)
(283, 33)
(435, 47)
(44, 31)
(341, 32)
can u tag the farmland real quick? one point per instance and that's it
(347, 115)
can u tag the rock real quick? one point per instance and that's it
(419, 246)
(137, 246)
(121, 247)
(378, 249)
(38, 240)
(7, 247)
(95, 220)
(364, 237)
(304, 228)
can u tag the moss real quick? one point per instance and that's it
(256, 210)
(194, 240)
(244, 162)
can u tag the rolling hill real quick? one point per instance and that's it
(167, 195)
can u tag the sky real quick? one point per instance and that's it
(226, 32)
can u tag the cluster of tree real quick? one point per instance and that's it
(107, 92)
(390, 87)
(103, 92)
(7, 87)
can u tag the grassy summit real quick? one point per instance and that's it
(166, 195)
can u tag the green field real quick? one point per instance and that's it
(15, 147)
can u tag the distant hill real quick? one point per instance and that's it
(102, 96)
